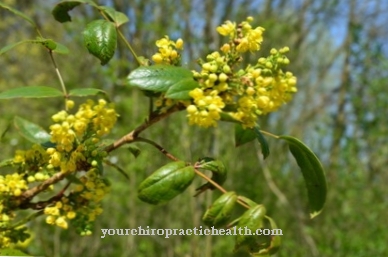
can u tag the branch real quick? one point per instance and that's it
(30, 193)
(153, 118)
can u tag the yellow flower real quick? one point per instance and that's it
(61, 222)
(227, 29)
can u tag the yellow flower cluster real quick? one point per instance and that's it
(59, 213)
(244, 95)
(168, 51)
(83, 204)
(207, 108)
(244, 37)
(74, 147)
(68, 128)
(12, 184)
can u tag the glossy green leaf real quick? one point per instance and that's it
(158, 78)
(18, 13)
(12, 252)
(82, 92)
(61, 9)
(100, 38)
(118, 18)
(312, 171)
(166, 183)
(218, 170)
(181, 90)
(221, 210)
(252, 219)
(48, 43)
(31, 92)
(243, 136)
(31, 131)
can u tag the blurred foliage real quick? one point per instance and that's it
(339, 55)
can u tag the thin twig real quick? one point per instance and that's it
(58, 73)
(269, 134)
(24, 221)
(131, 136)
(157, 146)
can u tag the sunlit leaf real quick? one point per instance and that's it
(312, 171)
(31, 131)
(100, 38)
(118, 18)
(166, 183)
(158, 78)
(61, 9)
(31, 92)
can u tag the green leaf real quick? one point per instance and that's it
(31, 131)
(158, 78)
(100, 38)
(18, 13)
(247, 201)
(181, 90)
(48, 43)
(252, 219)
(134, 150)
(220, 211)
(275, 242)
(31, 92)
(263, 142)
(218, 173)
(60, 11)
(82, 92)
(312, 171)
(243, 136)
(118, 18)
(6, 163)
(166, 183)
(61, 49)
(226, 117)
(12, 252)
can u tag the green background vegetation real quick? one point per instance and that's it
(340, 111)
